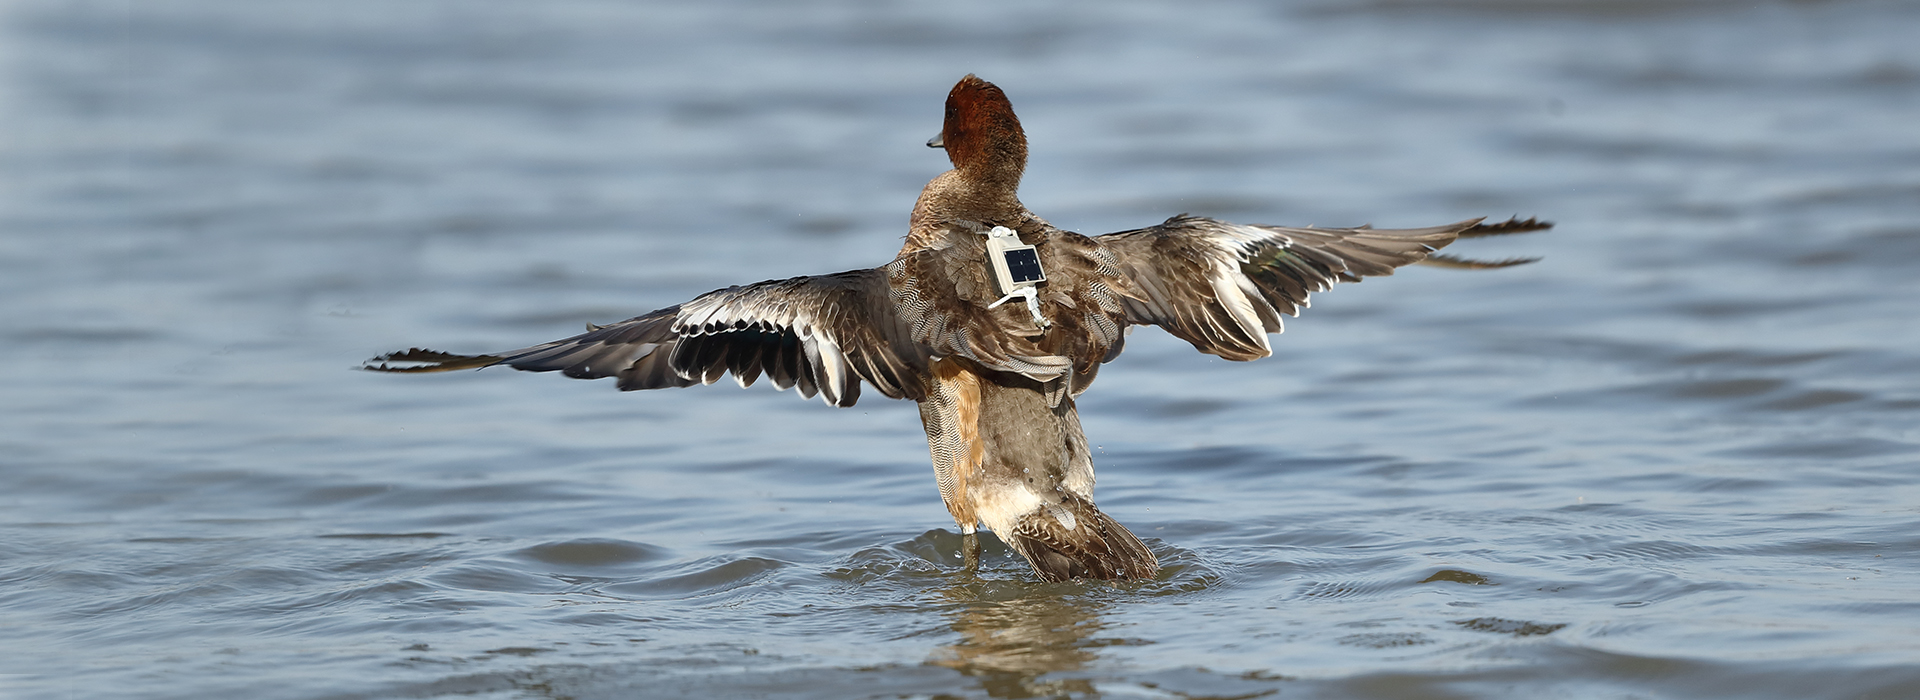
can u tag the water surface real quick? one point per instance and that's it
(1675, 459)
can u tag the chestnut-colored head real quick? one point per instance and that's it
(982, 136)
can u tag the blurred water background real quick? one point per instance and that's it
(1677, 458)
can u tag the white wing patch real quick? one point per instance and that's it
(1230, 288)
(714, 314)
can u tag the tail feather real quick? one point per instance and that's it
(1074, 540)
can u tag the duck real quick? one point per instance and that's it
(994, 322)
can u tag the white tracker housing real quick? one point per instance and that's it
(1015, 264)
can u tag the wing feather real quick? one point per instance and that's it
(1223, 286)
(822, 335)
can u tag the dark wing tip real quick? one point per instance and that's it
(1478, 230)
(1458, 263)
(424, 360)
(1510, 226)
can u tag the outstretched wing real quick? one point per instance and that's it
(822, 334)
(1223, 286)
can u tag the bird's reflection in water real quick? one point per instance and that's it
(1015, 631)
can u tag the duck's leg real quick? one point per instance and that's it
(951, 416)
(970, 551)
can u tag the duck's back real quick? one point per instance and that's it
(943, 288)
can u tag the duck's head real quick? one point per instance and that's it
(982, 136)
